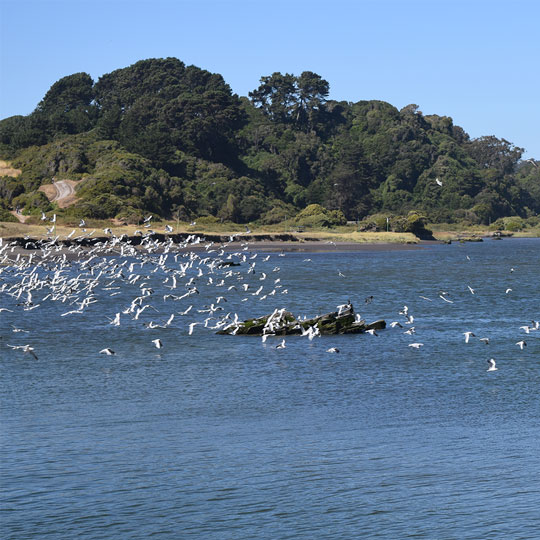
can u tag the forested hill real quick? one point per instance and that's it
(174, 140)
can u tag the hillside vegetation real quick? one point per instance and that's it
(173, 140)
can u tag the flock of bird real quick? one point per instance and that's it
(155, 285)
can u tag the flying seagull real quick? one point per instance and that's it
(24, 348)
(108, 352)
(492, 365)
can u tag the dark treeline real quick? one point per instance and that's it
(163, 137)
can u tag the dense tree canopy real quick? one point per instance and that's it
(173, 139)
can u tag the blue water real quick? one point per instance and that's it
(224, 437)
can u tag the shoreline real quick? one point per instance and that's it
(274, 243)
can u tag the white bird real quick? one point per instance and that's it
(191, 326)
(24, 348)
(168, 228)
(468, 335)
(372, 332)
(526, 328)
(439, 183)
(485, 340)
(508, 291)
(492, 365)
(332, 350)
(521, 344)
(395, 323)
(158, 343)
(108, 352)
(470, 289)
(416, 345)
(281, 345)
(264, 337)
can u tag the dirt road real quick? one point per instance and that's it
(63, 190)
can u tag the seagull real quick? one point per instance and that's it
(372, 332)
(158, 343)
(468, 335)
(470, 289)
(168, 228)
(521, 344)
(438, 182)
(15, 329)
(281, 345)
(492, 365)
(526, 328)
(264, 337)
(108, 352)
(332, 350)
(24, 348)
(508, 290)
(395, 323)
(191, 326)
(416, 345)
(485, 340)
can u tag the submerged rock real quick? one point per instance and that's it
(283, 323)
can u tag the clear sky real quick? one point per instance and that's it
(477, 61)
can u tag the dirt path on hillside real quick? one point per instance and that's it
(61, 192)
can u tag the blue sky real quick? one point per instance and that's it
(477, 61)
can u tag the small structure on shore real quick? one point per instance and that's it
(283, 323)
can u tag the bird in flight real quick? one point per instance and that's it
(521, 344)
(108, 352)
(25, 349)
(492, 365)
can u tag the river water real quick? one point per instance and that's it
(224, 437)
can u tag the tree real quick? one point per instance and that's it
(276, 95)
(290, 99)
(490, 152)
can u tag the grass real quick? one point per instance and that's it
(34, 228)
(37, 229)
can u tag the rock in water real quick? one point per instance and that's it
(283, 323)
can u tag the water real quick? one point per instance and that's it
(219, 437)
